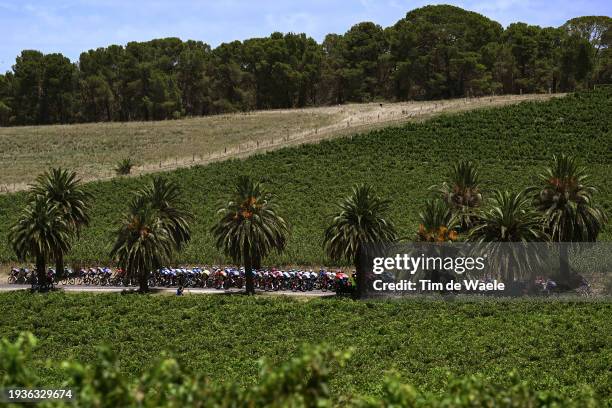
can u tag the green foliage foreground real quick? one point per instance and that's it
(464, 353)
(301, 382)
(510, 145)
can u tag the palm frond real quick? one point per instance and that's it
(506, 227)
(64, 189)
(40, 230)
(438, 222)
(166, 197)
(154, 227)
(250, 227)
(462, 192)
(360, 221)
(565, 199)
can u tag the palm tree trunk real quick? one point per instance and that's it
(143, 281)
(59, 265)
(248, 271)
(41, 271)
(360, 293)
(564, 269)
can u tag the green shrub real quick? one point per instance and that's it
(300, 382)
(476, 392)
(124, 167)
(14, 370)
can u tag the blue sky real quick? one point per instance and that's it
(73, 26)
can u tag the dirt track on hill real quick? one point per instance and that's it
(168, 145)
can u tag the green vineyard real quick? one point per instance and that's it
(426, 342)
(510, 145)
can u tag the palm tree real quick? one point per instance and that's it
(509, 218)
(250, 227)
(166, 197)
(65, 191)
(39, 233)
(360, 222)
(155, 226)
(438, 222)
(462, 193)
(143, 242)
(566, 201)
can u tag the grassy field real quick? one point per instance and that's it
(94, 149)
(511, 144)
(426, 341)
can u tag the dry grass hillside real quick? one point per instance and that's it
(94, 149)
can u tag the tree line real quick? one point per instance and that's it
(560, 208)
(434, 52)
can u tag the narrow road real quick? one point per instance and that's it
(5, 287)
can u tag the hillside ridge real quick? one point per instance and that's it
(511, 146)
(94, 149)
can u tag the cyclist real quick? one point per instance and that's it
(551, 285)
(50, 277)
